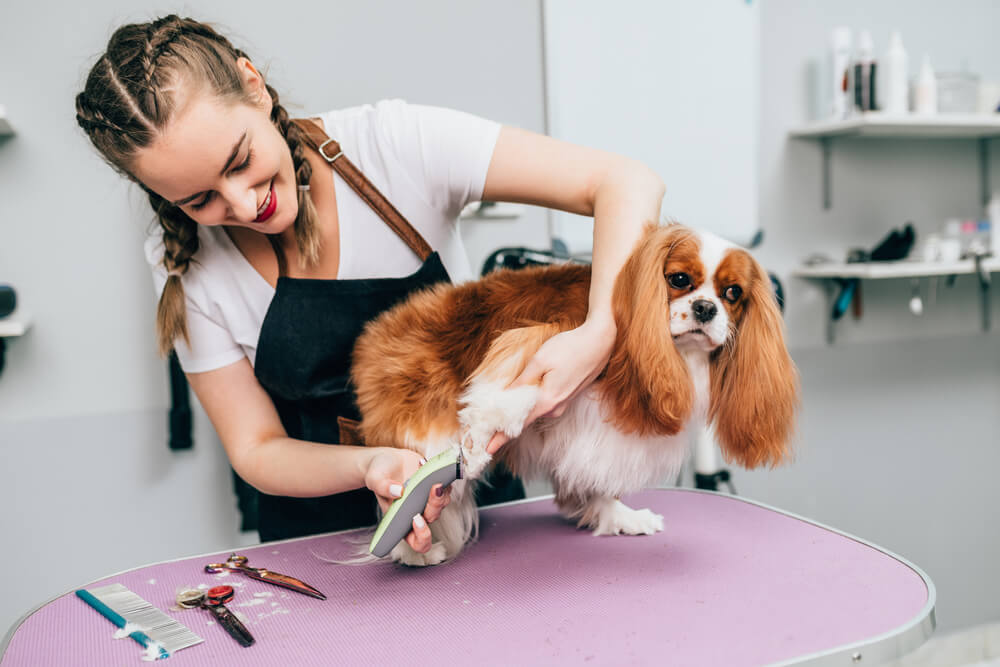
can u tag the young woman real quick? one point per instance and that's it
(244, 196)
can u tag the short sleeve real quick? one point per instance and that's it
(446, 152)
(211, 344)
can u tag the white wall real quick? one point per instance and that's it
(87, 485)
(900, 424)
(673, 84)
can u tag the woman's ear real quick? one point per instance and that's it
(755, 388)
(254, 84)
(646, 380)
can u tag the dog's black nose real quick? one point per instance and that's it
(704, 310)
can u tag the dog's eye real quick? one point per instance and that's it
(732, 293)
(679, 280)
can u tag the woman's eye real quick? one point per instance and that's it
(203, 203)
(732, 293)
(245, 163)
(679, 280)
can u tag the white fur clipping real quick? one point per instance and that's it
(129, 628)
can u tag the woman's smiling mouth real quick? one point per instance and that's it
(266, 209)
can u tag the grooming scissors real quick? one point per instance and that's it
(215, 599)
(239, 564)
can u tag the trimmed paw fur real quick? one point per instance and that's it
(404, 553)
(620, 519)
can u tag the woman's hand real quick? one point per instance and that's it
(387, 471)
(564, 365)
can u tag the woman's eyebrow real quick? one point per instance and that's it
(225, 167)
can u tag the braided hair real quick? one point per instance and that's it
(126, 103)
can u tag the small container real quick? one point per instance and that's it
(951, 244)
(970, 240)
(931, 248)
(897, 87)
(865, 74)
(957, 92)
(925, 91)
(981, 244)
(840, 67)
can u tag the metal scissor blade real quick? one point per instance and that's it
(285, 581)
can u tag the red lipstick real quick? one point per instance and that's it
(271, 203)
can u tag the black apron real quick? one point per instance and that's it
(304, 355)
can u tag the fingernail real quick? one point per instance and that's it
(422, 460)
(419, 522)
(439, 491)
(396, 490)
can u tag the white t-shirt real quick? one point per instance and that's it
(428, 161)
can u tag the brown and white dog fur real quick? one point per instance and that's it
(699, 339)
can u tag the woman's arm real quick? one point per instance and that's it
(262, 453)
(622, 195)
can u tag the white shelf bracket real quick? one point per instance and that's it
(984, 171)
(824, 144)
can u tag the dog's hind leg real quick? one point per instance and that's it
(606, 515)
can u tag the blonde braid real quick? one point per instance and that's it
(306, 224)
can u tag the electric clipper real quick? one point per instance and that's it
(442, 469)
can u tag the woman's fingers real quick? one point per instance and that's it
(436, 502)
(419, 538)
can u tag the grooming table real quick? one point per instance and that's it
(728, 582)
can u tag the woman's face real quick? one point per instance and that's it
(223, 164)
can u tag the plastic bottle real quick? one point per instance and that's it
(896, 97)
(951, 243)
(865, 74)
(925, 93)
(840, 67)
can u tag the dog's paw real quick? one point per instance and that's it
(620, 519)
(489, 408)
(404, 553)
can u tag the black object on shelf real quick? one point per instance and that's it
(8, 300)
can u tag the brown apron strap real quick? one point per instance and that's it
(330, 150)
(280, 254)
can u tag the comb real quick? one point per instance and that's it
(160, 634)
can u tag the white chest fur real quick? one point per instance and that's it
(582, 451)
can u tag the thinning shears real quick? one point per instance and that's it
(239, 564)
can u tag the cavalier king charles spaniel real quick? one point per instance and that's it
(699, 340)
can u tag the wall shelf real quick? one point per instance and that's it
(908, 126)
(901, 269)
(878, 125)
(843, 280)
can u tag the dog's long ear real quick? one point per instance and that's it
(755, 388)
(646, 381)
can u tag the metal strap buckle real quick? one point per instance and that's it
(323, 153)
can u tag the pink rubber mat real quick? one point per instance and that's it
(727, 582)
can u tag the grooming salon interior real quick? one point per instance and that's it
(850, 147)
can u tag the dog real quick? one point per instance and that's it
(699, 340)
